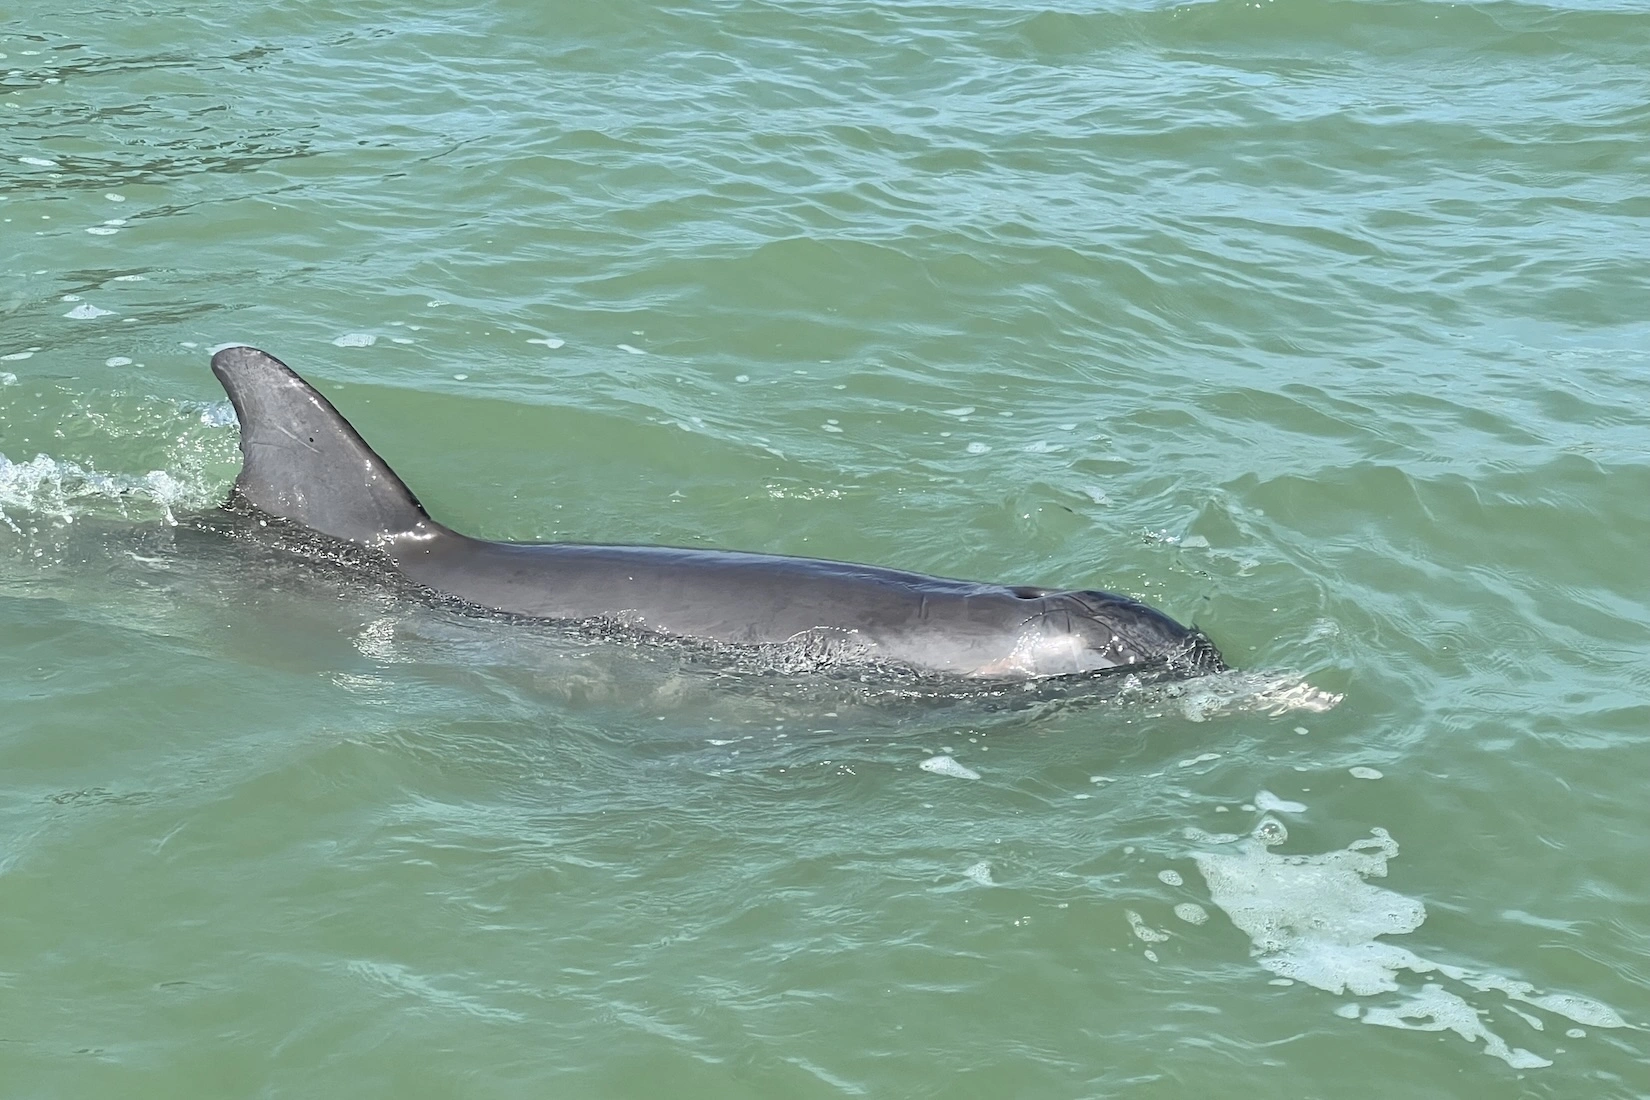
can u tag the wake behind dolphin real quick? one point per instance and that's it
(304, 463)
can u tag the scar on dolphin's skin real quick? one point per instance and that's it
(334, 484)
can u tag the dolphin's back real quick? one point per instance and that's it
(303, 460)
(305, 464)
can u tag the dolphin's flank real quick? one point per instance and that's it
(304, 463)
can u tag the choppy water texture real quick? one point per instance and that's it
(1320, 323)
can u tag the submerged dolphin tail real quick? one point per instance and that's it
(303, 461)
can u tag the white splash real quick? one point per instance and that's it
(52, 487)
(1239, 692)
(85, 311)
(356, 340)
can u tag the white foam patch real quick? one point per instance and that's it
(1170, 877)
(1267, 802)
(1191, 912)
(978, 448)
(946, 765)
(1363, 773)
(356, 340)
(1143, 932)
(631, 350)
(38, 162)
(1435, 1008)
(550, 342)
(117, 361)
(17, 356)
(7, 378)
(85, 311)
(1315, 919)
(981, 873)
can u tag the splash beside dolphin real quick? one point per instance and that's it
(304, 463)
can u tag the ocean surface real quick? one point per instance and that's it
(1323, 324)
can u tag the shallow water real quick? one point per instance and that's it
(1320, 324)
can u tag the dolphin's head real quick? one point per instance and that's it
(1069, 633)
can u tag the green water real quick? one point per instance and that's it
(1320, 323)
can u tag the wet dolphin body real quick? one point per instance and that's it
(304, 463)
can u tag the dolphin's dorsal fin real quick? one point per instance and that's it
(304, 462)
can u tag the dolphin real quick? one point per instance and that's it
(305, 465)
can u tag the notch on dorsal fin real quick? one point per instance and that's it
(304, 462)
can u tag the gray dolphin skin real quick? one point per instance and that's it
(305, 464)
